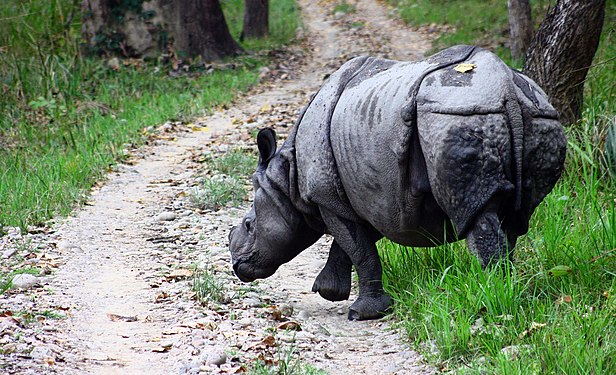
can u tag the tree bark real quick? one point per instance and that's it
(520, 27)
(147, 29)
(562, 51)
(256, 24)
(205, 31)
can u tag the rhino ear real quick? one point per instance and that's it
(266, 142)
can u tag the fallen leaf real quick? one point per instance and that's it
(121, 318)
(161, 296)
(274, 312)
(558, 271)
(267, 342)
(290, 326)
(179, 273)
(464, 67)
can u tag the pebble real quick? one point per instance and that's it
(245, 322)
(166, 216)
(285, 309)
(216, 357)
(66, 245)
(24, 281)
(9, 253)
(252, 302)
(41, 353)
(303, 315)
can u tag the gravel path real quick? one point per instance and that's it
(119, 273)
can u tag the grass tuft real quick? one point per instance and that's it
(208, 286)
(217, 192)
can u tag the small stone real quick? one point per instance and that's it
(252, 302)
(303, 315)
(9, 253)
(340, 312)
(285, 309)
(41, 353)
(166, 216)
(217, 358)
(245, 322)
(66, 245)
(24, 281)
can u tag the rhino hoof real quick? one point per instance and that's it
(366, 308)
(332, 291)
(332, 285)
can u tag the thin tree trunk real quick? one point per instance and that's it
(562, 51)
(256, 24)
(520, 27)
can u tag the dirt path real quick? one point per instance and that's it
(123, 279)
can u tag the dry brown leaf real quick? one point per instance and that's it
(464, 67)
(180, 273)
(267, 342)
(289, 326)
(121, 318)
(274, 312)
(162, 296)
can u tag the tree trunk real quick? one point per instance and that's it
(520, 27)
(148, 28)
(256, 24)
(205, 31)
(562, 51)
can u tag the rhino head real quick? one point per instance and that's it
(274, 231)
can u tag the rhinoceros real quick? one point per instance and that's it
(424, 153)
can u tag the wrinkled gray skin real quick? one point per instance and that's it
(416, 152)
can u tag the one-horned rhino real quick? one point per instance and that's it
(423, 153)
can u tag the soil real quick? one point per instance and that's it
(116, 293)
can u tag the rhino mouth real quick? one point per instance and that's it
(247, 273)
(240, 272)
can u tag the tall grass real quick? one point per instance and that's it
(528, 319)
(65, 119)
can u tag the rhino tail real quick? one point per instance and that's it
(516, 123)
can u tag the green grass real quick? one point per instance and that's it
(208, 287)
(344, 7)
(235, 163)
(287, 362)
(64, 119)
(227, 185)
(517, 318)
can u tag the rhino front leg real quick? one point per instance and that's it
(334, 280)
(358, 242)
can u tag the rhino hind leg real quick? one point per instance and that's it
(334, 281)
(487, 239)
(358, 242)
